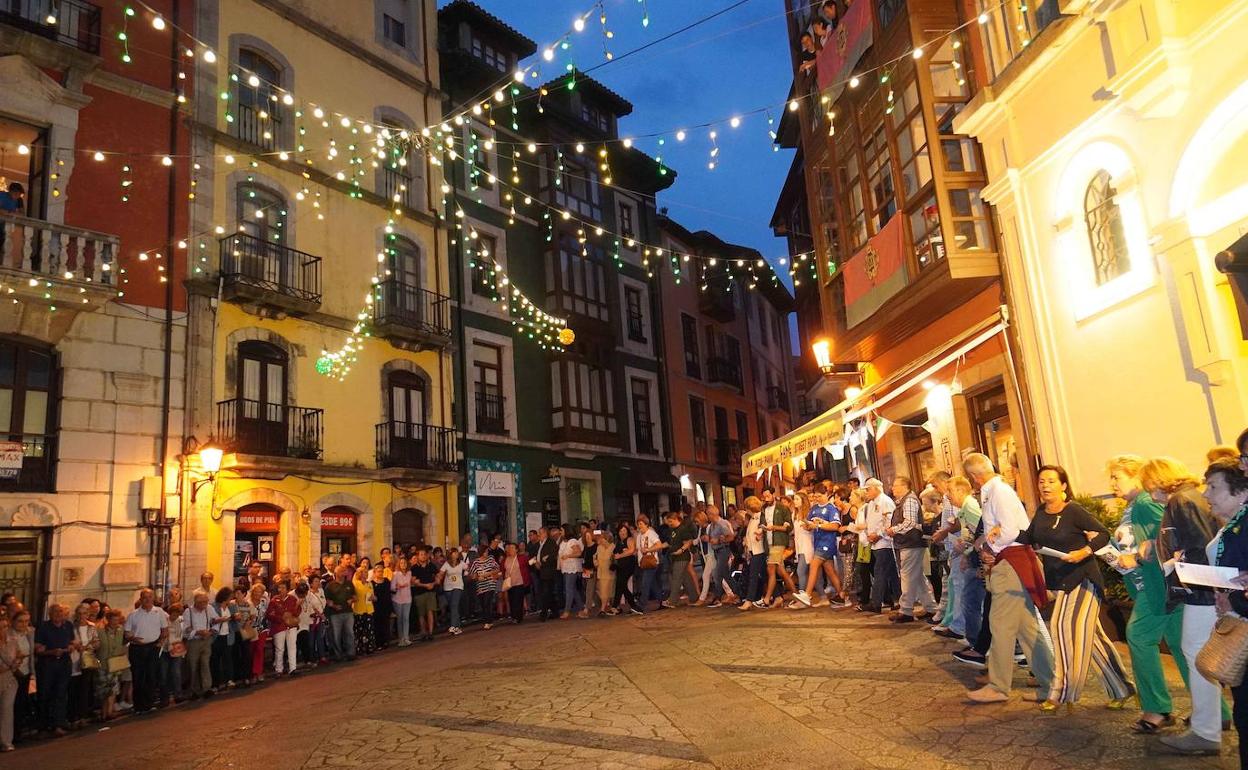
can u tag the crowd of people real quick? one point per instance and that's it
(961, 552)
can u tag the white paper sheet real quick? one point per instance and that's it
(1204, 575)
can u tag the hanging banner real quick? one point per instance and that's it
(849, 41)
(825, 429)
(875, 273)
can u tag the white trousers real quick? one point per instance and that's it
(1206, 695)
(284, 650)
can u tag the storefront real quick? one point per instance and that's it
(493, 499)
(338, 531)
(256, 530)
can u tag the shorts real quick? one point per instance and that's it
(425, 602)
(775, 555)
(827, 554)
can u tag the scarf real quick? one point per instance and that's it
(1231, 527)
(1030, 573)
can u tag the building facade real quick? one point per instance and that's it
(906, 252)
(546, 204)
(92, 333)
(728, 361)
(320, 318)
(1115, 139)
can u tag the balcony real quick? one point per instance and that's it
(716, 302)
(78, 263)
(723, 371)
(416, 446)
(777, 399)
(270, 274)
(259, 126)
(271, 430)
(412, 314)
(396, 186)
(644, 431)
(490, 413)
(728, 452)
(37, 473)
(76, 23)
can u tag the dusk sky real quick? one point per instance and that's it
(734, 64)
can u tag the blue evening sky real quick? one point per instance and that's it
(735, 63)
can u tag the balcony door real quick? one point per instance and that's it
(261, 411)
(261, 256)
(408, 436)
(403, 262)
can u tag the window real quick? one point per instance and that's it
(852, 202)
(994, 432)
(260, 407)
(259, 113)
(762, 323)
(27, 382)
(626, 220)
(1105, 232)
(972, 227)
(394, 30)
(929, 244)
(743, 430)
(484, 275)
(643, 422)
(396, 170)
(581, 281)
(879, 179)
(689, 331)
(481, 172)
(599, 119)
(489, 55)
(762, 428)
(1011, 27)
(912, 152)
(636, 326)
(487, 382)
(697, 422)
(576, 189)
(582, 396)
(777, 330)
(261, 214)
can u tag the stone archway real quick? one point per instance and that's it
(406, 515)
(368, 539)
(289, 524)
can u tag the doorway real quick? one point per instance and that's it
(23, 566)
(492, 518)
(256, 531)
(408, 528)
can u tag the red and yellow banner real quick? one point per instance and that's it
(875, 273)
(845, 47)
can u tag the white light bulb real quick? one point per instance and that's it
(158, 22)
(346, 122)
(793, 105)
(735, 122)
(580, 147)
(288, 100)
(983, 18)
(166, 161)
(253, 81)
(853, 82)
(23, 149)
(918, 53)
(548, 54)
(519, 76)
(579, 24)
(680, 136)
(98, 155)
(209, 56)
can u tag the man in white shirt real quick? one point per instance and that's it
(1013, 616)
(885, 581)
(145, 629)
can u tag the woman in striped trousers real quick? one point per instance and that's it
(1073, 577)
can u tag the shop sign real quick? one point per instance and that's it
(266, 545)
(552, 476)
(495, 484)
(11, 456)
(814, 435)
(256, 521)
(338, 522)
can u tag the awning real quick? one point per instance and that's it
(828, 428)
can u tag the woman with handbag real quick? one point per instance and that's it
(625, 555)
(222, 662)
(255, 630)
(1187, 527)
(172, 653)
(648, 546)
(1226, 489)
(10, 662)
(82, 680)
(114, 663)
(362, 606)
(283, 619)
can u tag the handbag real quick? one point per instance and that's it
(648, 561)
(178, 649)
(118, 663)
(88, 660)
(248, 632)
(1225, 656)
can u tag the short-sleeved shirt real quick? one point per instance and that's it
(683, 533)
(426, 574)
(718, 529)
(145, 625)
(453, 576)
(480, 569)
(54, 637)
(341, 594)
(568, 563)
(825, 541)
(647, 539)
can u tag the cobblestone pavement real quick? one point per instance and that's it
(690, 688)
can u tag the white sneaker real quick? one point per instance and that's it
(802, 597)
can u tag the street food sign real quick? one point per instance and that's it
(11, 456)
(822, 431)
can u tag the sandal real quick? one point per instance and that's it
(1146, 727)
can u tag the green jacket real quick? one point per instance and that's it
(781, 516)
(1146, 516)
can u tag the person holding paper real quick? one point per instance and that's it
(1226, 489)
(1077, 589)
(1150, 621)
(1187, 527)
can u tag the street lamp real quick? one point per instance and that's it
(822, 348)
(210, 461)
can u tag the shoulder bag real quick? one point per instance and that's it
(118, 663)
(1225, 656)
(87, 660)
(648, 561)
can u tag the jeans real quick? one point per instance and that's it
(515, 600)
(678, 577)
(453, 598)
(720, 573)
(170, 677)
(803, 572)
(145, 672)
(486, 603)
(972, 602)
(572, 599)
(955, 597)
(404, 613)
(758, 577)
(885, 583)
(648, 586)
(284, 650)
(663, 582)
(8, 698)
(222, 661)
(342, 631)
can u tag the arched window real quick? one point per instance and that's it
(1105, 233)
(260, 111)
(258, 255)
(261, 213)
(27, 416)
(395, 174)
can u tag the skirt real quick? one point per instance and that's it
(365, 642)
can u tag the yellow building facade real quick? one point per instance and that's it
(319, 351)
(1116, 140)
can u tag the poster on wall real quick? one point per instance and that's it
(265, 546)
(532, 521)
(11, 456)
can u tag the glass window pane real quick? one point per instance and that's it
(38, 369)
(36, 415)
(8, 364)
(6, 410)
(251, 379)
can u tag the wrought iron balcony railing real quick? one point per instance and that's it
(272, 430)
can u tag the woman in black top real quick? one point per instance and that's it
(625, 566)
(1076, 588)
